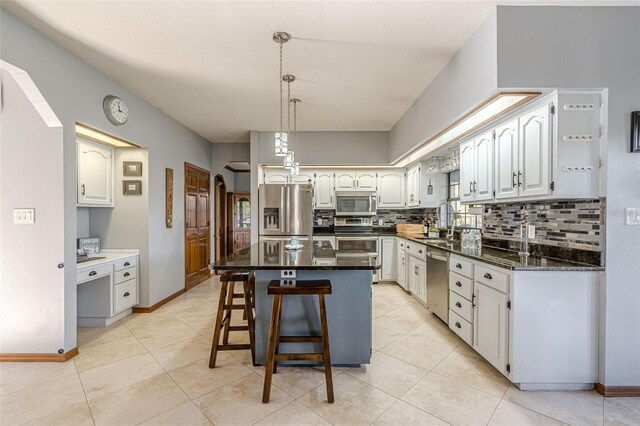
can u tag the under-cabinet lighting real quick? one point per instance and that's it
(101, 137)
(490, 110)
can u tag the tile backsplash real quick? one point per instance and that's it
(576, 224)
(390, 216)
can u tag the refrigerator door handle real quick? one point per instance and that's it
(283, 205)
(288, 211)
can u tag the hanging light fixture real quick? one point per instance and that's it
(295, 170)
(289, 159)
(281, 143)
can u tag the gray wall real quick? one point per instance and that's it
(593, 47)
(75, 91)
(466, 81)
(371, 148)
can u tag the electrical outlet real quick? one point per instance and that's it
(288, 274)
(531, 232)
(24, 216)
(632, 216)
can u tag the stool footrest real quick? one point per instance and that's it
(238, 328)
(234, 307)
(300, 339)
(234, 347)
(299, 357)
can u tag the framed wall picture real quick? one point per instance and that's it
(635, 131)
(169, 197)
(132, 168)
(132, 187)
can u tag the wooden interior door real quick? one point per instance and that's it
(220, 217)
(238, 221)
(196, 224)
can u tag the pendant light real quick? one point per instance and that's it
(280, 138)
(289, 159)
(295, 170)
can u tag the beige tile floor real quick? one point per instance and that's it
(152, 369)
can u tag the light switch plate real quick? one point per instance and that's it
(632, 216)
(24, 216)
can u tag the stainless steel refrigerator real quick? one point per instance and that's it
(285, 210)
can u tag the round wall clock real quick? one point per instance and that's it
(116, 110)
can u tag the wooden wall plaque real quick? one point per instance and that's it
(169, 197)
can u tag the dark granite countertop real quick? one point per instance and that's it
(505, 258)
(314, 255)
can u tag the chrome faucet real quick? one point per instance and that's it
(451, 233)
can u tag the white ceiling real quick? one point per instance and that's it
(213, 66)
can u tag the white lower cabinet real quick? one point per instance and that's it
(402, 263)
(389, 270)
(490, 325)
(418, 278)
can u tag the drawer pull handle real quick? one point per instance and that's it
(126, 274)
(458, 325)
(407, 246)
(459, 305)
(126, 294)
(126, 264)
(92, 273)
(458, 283)
(459, 266)
(488, 276)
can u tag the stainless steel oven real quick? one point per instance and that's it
(356, 203)
(358, 243)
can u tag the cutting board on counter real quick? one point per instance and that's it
(409, 228)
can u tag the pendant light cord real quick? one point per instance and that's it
(280, 43)
(289, 109)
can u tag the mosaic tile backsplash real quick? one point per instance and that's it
(576, 224)
(391, 217)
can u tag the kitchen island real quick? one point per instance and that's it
(349, 314)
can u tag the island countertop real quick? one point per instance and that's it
(314, 255)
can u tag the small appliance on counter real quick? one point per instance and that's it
(88, 248)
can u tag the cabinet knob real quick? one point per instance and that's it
(126, 264)
(488, 276)
(458, 325)
(459, 266)
(420, 251)
(458, 304)
(407, 245)
(92, 273)
(126, 274)
(458, 283)
(126, 294)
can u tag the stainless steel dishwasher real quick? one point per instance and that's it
(438, 282)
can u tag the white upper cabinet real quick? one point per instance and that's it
(423, 189)
(506, 160)
(324, 197)
(345, 180)
(483, 182)
(366, 181)
(412, 186)
(306, 177)
(535, 153)
(467, 170)
(277, 176)
(391, 189)
(95, 174)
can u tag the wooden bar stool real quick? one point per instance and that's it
(225, 309)
(320, 288)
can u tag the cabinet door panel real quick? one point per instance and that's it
(534, 148)
(324, 190)
(281, 176)
(389, 259)
(345, 181)
(302, 178)
(366, 181)
(483, 180)
(506, 160)
(413, 186)
(95, 174)
(467, 171)
(490, 325)
(390, 189)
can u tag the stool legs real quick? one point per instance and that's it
(216, 331)
(325, 348)
(248, 296)
(271, 349)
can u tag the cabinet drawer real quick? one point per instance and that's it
(461, 306)
(461, 285)
(93, 273)
(461, 266)
(417, 250)
(461, 327)
(125, 275)
(493, 278)
(125, 295)
(125, 263)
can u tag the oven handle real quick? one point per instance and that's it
(356, 238)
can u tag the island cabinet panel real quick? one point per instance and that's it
(389, 256)
(349, 315)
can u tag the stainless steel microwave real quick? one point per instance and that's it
(356, 203)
